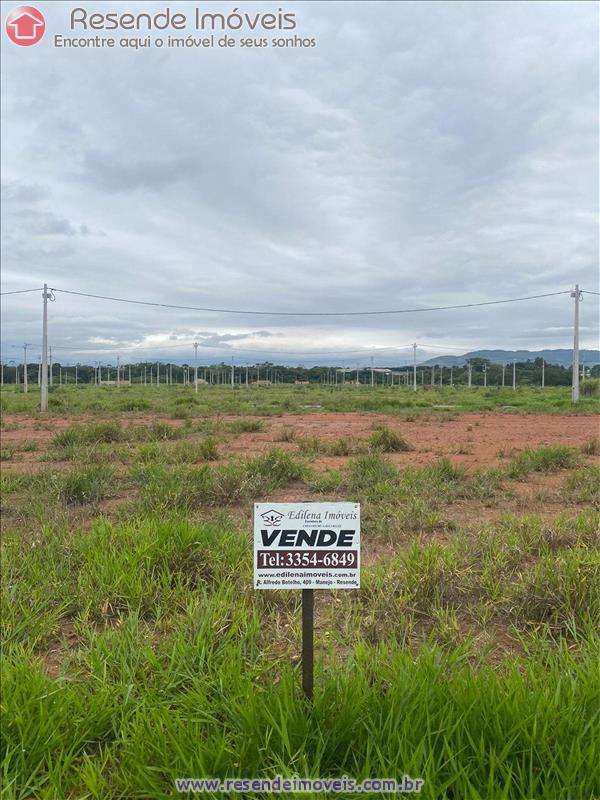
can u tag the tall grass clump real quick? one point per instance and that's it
(135, 404)
(562, 591)
(545, 459)
(187, 487)
(371, 473)
(194, 452)
(246, 426)
(143, 567)
(84, 485)
(276, 468)
(387, 441)
(286, 434)
(88, 434)
(583, 485)
(590, 387)
(591, 447)
(156, 432)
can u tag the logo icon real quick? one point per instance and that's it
(272, 517)
(25, 25)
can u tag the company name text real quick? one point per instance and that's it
(81, 19)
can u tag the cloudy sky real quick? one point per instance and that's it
(421, 154)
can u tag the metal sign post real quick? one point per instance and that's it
(308, 652)
(307, 546)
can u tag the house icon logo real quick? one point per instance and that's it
(25, 25)
(272, 517)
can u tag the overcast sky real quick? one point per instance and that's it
(422, 154)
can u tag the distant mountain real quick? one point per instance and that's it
(561, 357)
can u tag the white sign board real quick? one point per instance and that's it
(306, 545)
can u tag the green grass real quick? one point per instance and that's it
(88, 485)
(212, 400)
(140, 714)
(544, 459)
(287, 434)
(583, 485)
(186, 488)
(163, 666)
(591, 447)
(135, 649)
(388, 441)
(89, 434)
(246, 426)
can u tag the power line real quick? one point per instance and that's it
(230, 350)
(22, 291)
(425, 345)
(308, 313)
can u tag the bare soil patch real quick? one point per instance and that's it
(471, 440)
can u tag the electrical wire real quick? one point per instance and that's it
(23, 291)
(308, 313)
(232, 351)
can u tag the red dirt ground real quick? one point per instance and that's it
(472, 440)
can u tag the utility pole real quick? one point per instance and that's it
(118, 369)
(51, 376)
(25, 369)
(514, 375)
(577, 295)
(44, 385)
(232, 373)
(372, 373)
(441, 374)
(451, 377)
(484, 376)
(543, 376)
(469, 374)
(196, 367)
(433, 374)
(415, 367)
(129, 374)
(158, 373)
(503, 371)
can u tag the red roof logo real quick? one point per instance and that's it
(25, 25)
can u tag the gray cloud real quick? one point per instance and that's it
(422, 154)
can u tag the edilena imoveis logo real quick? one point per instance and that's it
(25, 25)
(272, 517)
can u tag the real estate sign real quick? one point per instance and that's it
(306, 545)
